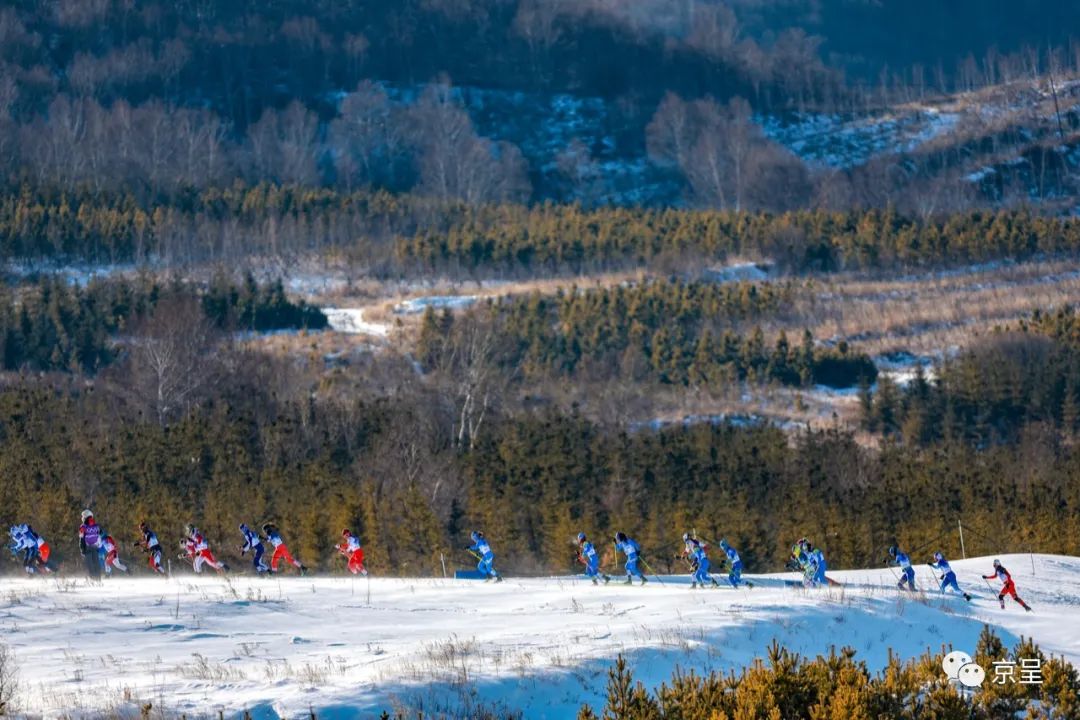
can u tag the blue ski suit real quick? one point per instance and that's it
(701, 563)
(253, 542)
(948, 577)
(908, 576)
(821, 566)
(631, 549)
(481, 548)
(592, 560)
(735, 573)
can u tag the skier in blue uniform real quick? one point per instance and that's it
(697, 553)
(948, 577)
(820, 566)
(254, 543)
(29, 545)
(588, 557)
(632, 551)
(735, 565)
(482, 550)
(904, 563)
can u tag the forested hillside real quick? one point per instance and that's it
(659, 102)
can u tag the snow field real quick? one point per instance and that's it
(349, 647)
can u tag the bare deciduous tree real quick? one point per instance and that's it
(470, 366)
(367, 138)
(457, 164)
(724, 156)
(172, 358)
(283, 146)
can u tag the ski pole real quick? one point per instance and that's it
(649, 568)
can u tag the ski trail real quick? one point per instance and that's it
(203, 645)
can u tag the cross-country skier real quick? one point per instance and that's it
(281, 552)
(948, 577)
(90, 544)
(253, 542)
(820, 566)
(151, 547)
(1008, 586)
(197, 550)
(351, 549)
(632, 550)
(482, 550)
(588, 557)
(904, 563)
(697, 552)
(802, 561)
(34, 549)
(112, 556)
(735, 565)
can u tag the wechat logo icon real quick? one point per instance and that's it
(959, 667)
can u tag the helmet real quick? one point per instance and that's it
(581, 537)
(893, 550)
(804, 542)
(476, 535)
(266, 527)
(620, 537)
(345, 533)
(189, 529)
(938, 556)
(997, 563)
(243, 527)
(86, 515)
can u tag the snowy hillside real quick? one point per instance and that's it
(348, 648)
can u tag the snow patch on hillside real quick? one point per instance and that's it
(351, 320)
(438, 302)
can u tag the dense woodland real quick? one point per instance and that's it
(395, 235)
(55, 325)
(671, 332)
(1021, 380)
(162, 97)
(241, 448)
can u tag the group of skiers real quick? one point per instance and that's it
(31, 548)
(947, 578)
(695, 554)
(101, 552)
(98, 548)
(810, 561)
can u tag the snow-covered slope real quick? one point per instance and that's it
(348, 647)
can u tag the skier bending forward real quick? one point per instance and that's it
(1008, 586)
(482, 550)
(197, 550)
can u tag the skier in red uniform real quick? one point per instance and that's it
(1008, 588)
(112, 556)
(350, 548)
(281, 552)
(197, 550)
